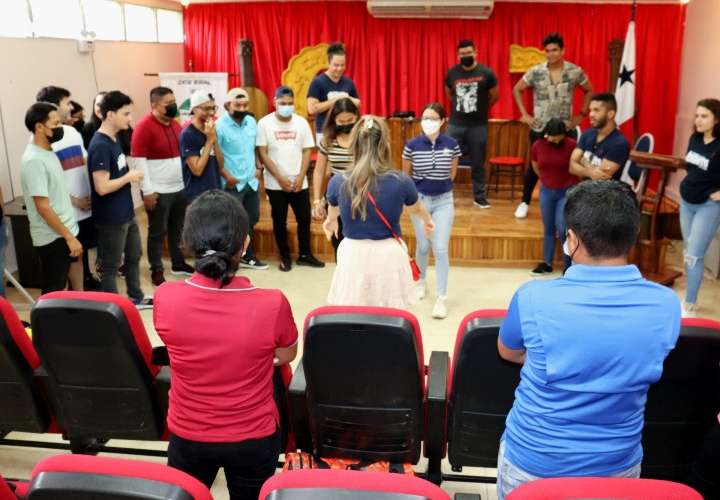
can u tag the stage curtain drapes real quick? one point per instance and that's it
(399, 64)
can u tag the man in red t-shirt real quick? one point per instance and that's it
(551, 162)
(156, 150)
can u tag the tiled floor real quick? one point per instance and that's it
(470, 288)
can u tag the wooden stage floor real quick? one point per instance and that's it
(480, 237)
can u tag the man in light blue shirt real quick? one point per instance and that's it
(591, 343)
(236, 132)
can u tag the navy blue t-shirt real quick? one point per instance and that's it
(703, 170)
(192, 142)
(322, 85)
(614, 147)
(105, 153)
(393, 191)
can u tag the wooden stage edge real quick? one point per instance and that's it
(480, 237)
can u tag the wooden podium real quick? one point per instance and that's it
(650, 251)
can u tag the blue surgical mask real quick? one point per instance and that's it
(286, 110)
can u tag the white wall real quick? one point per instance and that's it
(31, 63)
(699, 70)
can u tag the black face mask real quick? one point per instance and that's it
(79, 125)
(239, 116)
(344, 129)
(58, 134)
(171, 110)
(467, 61)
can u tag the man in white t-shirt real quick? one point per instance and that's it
(73, 158)
(284, 143)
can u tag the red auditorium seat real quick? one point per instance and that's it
(481, 392)
(607, 488)
(360, 390)
(23, 405)
(6, 493)
(682, 406)
(68, 477)
(348, 485)
(99, 363)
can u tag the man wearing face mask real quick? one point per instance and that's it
(156, 151)
(202, 159)
(284, 143)
(472, 89)
(591, 343)
(236, 132)
(53, 227)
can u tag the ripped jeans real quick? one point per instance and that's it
(699, 223)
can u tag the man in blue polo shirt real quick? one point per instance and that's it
(591, 343)
(236, 133)
(602, 150)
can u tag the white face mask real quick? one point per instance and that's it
(566, 248)
(430, 127)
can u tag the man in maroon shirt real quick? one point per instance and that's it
(156, 150)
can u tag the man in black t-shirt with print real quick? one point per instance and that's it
(472, 90)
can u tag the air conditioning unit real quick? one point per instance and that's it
(431, 9)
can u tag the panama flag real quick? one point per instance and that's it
(625, 90)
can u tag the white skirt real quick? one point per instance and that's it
(372, 273)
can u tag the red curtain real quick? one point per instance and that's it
(399, 64)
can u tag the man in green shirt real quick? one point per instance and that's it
(53, 227)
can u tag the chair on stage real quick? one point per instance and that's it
(70, 477)
(348, 485)
(609, 488)
(481, 392)
(633, 175)
(362, 391)
(98, 358)
(507, 164)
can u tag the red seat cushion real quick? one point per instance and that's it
(123, 468)
(602, 487)
(18, 333)
(510, 161)
(5, 492)
(709, 324)
(353, 480)
(129, 310)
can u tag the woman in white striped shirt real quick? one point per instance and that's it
(333, 156)
(431, 159)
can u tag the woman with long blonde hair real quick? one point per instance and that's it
(373, 268)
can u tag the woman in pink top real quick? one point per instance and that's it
(224, 337)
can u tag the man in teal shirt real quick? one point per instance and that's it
(53, 227)
(236, 132)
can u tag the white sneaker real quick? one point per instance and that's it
(420, 289)
(521, 211)
(440, 310)
(689, 310)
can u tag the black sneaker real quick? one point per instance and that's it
(309, 260)
(183, 270)
(481, 202)
(253, 263)
(541, 269)
(144, 303)
(285, 264)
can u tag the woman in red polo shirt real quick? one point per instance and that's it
(224, 337)
(551, 161)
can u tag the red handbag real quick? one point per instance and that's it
(413, 265)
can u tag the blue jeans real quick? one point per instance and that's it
(3, 249)
(552, 207)
(509, 476)
(698, 223)
(442, 211)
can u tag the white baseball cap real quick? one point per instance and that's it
(236, 93)
(200, 97)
